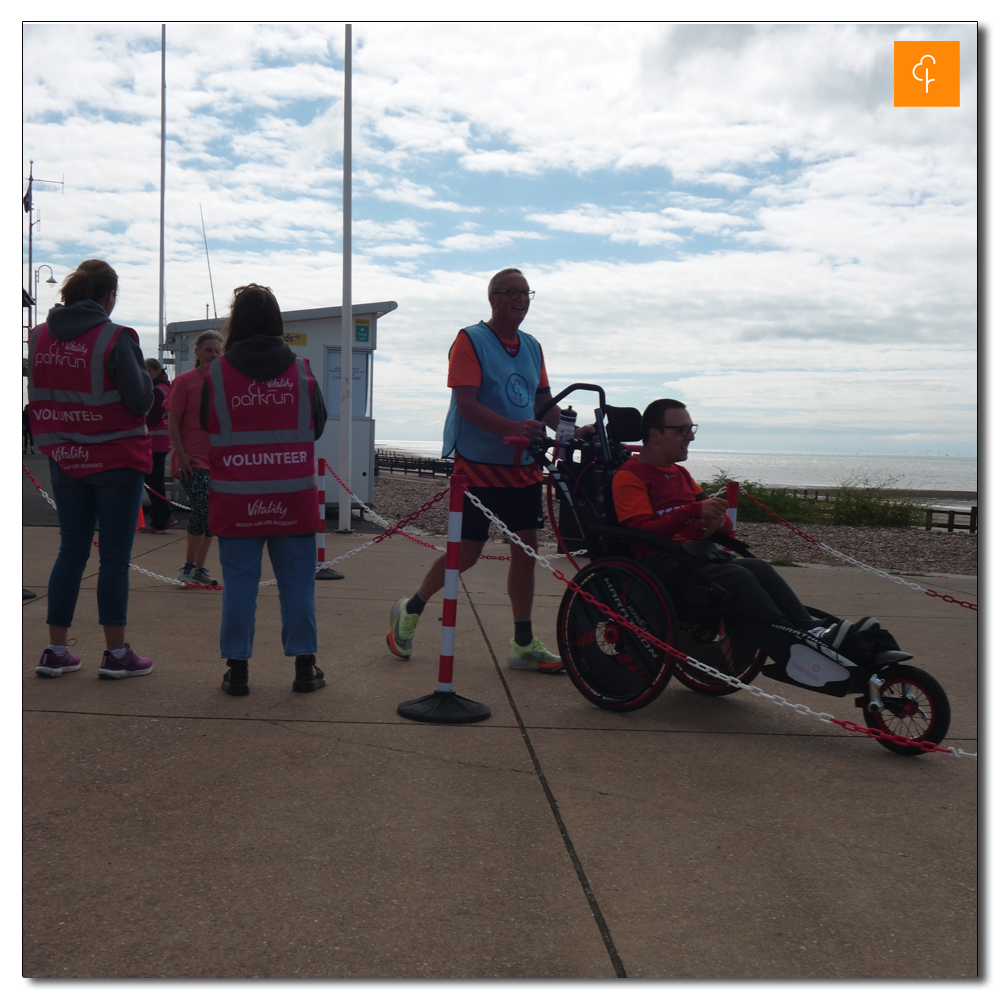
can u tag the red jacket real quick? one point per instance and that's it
(662, 499)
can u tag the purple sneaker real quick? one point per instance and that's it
(128, 665)
(55, 664)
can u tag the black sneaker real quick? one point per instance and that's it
(235, 681)
(835, 635)
(308, 677)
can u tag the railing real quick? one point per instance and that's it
(935, 517)
(971, 523)
(387, 461)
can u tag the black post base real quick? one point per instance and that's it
(328, 574)
(444, 708)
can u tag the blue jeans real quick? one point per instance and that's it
(108, 501)
(294, 562)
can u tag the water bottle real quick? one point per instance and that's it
(566, 431)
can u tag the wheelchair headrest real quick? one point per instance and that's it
(624, 423)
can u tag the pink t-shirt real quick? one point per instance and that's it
(185, 398)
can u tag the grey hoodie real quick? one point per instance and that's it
(126, 365)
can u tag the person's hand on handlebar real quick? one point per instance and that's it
(530, 429)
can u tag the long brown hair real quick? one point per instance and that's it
(93, 279)
(254, 311)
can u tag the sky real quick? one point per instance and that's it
(732, 215)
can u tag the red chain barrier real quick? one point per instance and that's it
(173, 503)
(815, 541)
(880, 734)
(429, 545)
(948, 599)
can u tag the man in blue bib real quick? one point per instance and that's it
(498, 382)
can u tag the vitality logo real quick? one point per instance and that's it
(926, 74)
(258, 508)
(66, 453)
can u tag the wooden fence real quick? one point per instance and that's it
(387, 461)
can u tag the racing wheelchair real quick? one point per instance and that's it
(618, 670)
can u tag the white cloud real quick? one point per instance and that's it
(487, 241)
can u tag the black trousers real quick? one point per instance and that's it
(159, 512)
(758, 597)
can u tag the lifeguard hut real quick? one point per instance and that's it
(315, 334)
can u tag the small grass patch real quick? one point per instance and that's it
(862, 500)
(782, 561)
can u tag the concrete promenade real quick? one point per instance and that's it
(174, 831)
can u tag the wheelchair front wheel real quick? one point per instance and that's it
(609, 664)
(713, 645)
(913, 705)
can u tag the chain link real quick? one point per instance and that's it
(438, 548)
(38, 486)
(777, 699)
(857, 562)
(173, 503)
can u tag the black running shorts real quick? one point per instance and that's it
(519, 507)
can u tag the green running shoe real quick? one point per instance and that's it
(534, 656)
(401, 629)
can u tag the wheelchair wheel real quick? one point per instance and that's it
(711, 643)
(609, 664)
(914, 705)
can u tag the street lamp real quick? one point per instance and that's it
(50, 280)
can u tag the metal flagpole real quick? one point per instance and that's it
(163, 169)
(347, 312)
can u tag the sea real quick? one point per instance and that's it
(947, 473)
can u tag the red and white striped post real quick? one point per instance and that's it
(323, 572)
(449, 615)
(444, 706)
(732, 500)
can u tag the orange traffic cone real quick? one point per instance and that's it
(142, 521)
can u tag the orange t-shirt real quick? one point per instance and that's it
(464, 369)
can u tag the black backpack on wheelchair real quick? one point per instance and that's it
(619, 670)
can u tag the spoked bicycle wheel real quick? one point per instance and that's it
(609, 664)
(711, 643)
(913, 705)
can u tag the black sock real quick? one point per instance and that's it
(416, 605)
(523, 633)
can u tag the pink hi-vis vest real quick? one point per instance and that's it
(77, 416)
(260, 465)
(161, 432)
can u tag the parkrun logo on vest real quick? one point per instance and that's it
(266, 393)
(64, 454)
(54, 356)
(258, 507)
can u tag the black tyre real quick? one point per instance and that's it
(711, 643)
(914, 705)
(609, 664)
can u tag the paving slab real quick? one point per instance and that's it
(180, 832)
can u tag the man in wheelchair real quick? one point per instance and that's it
(653, 493)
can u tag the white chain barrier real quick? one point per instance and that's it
(777, 699)
(412, 530)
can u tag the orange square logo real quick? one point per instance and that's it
(926, 74)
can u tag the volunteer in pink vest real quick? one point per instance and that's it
(189, 462)
(160, 517)
(88, 393)
(263, 409)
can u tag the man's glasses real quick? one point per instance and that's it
(516, 293)
(684, 429)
